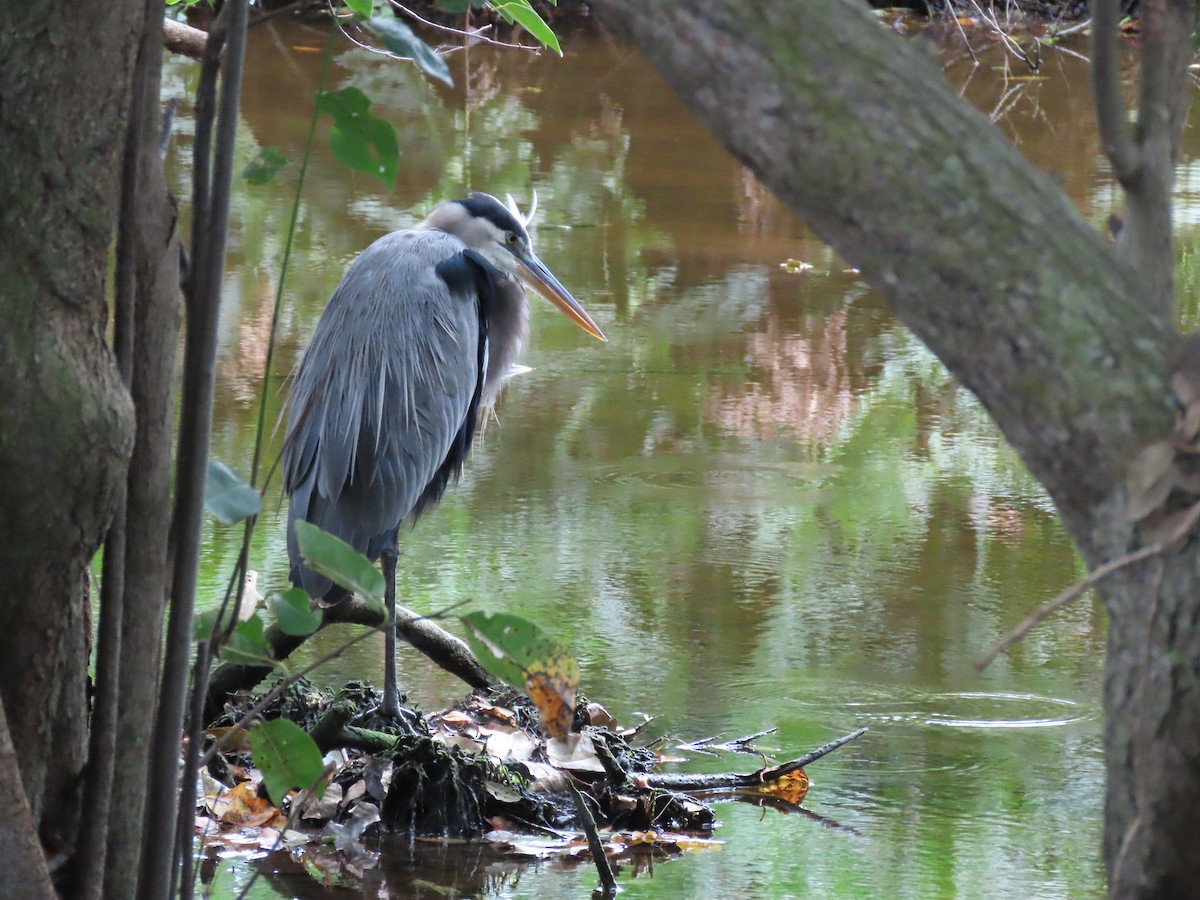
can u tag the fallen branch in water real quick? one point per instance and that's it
(726, 780)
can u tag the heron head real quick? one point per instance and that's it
(498, 233)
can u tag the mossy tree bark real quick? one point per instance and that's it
(1063, 337)
(67, 422)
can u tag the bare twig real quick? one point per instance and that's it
(472, 34)
(1032, 60)
(1080, 26)
(962, 32)
(1191, 516)
(733, 745)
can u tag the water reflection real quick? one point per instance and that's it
(762, 503)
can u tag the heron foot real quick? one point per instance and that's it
(404, 719)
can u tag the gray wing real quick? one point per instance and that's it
(382, 396)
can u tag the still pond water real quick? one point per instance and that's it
(761, 504)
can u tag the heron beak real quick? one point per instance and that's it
(537, 276)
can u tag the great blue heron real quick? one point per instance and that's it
(408, 356)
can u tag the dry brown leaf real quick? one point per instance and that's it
(241, 806)
(1149, 479)
(601, 717)
(453, 718)
(462, 741)
(575, 753)
(510, 745)
(545, 778)
(239, 741)
(323, 807)
(356, 790)
(790, 788)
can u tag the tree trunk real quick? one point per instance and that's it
(986, 260)
(67, 421)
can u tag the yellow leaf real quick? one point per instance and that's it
(790, 788)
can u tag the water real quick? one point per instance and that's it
(761, 504)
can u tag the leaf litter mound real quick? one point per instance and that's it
(484, 771)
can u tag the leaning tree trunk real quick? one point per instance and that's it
(1065, 341)
(66, 423)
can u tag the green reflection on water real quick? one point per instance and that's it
(763, 503)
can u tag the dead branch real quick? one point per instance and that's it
(727, 780)
(181, 38)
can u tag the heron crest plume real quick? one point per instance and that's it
(525, 219)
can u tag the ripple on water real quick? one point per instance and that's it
(976, 709)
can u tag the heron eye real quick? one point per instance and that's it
(511, 237)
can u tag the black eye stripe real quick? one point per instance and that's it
(485, 206)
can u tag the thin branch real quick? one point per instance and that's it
(186, 826)
(473, 34)
(1115, 134)
(203, 316)
(1191, 516)
(1079, 26)
(962, 32)
(607, 882)
(1033, 61)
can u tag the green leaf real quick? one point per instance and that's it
(227, 496)
(360, 140)
(264, 167)
(362, 8)
(247, 644)
(399, 39)
(520, 654)
(294, 613)
(526, 16)
(287, 757)
(339, 562)
(457, 7)
(486, 633)
(203, 624)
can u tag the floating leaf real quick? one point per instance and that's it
(294, 613)
(339, 562)
(360, 140)
(362, 8)
(247, 645)
(526, 16)
(264, 167)
(519, 653)
(287, 757)
(399, 39)
(227, 496)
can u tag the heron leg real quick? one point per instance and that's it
(391, 692)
